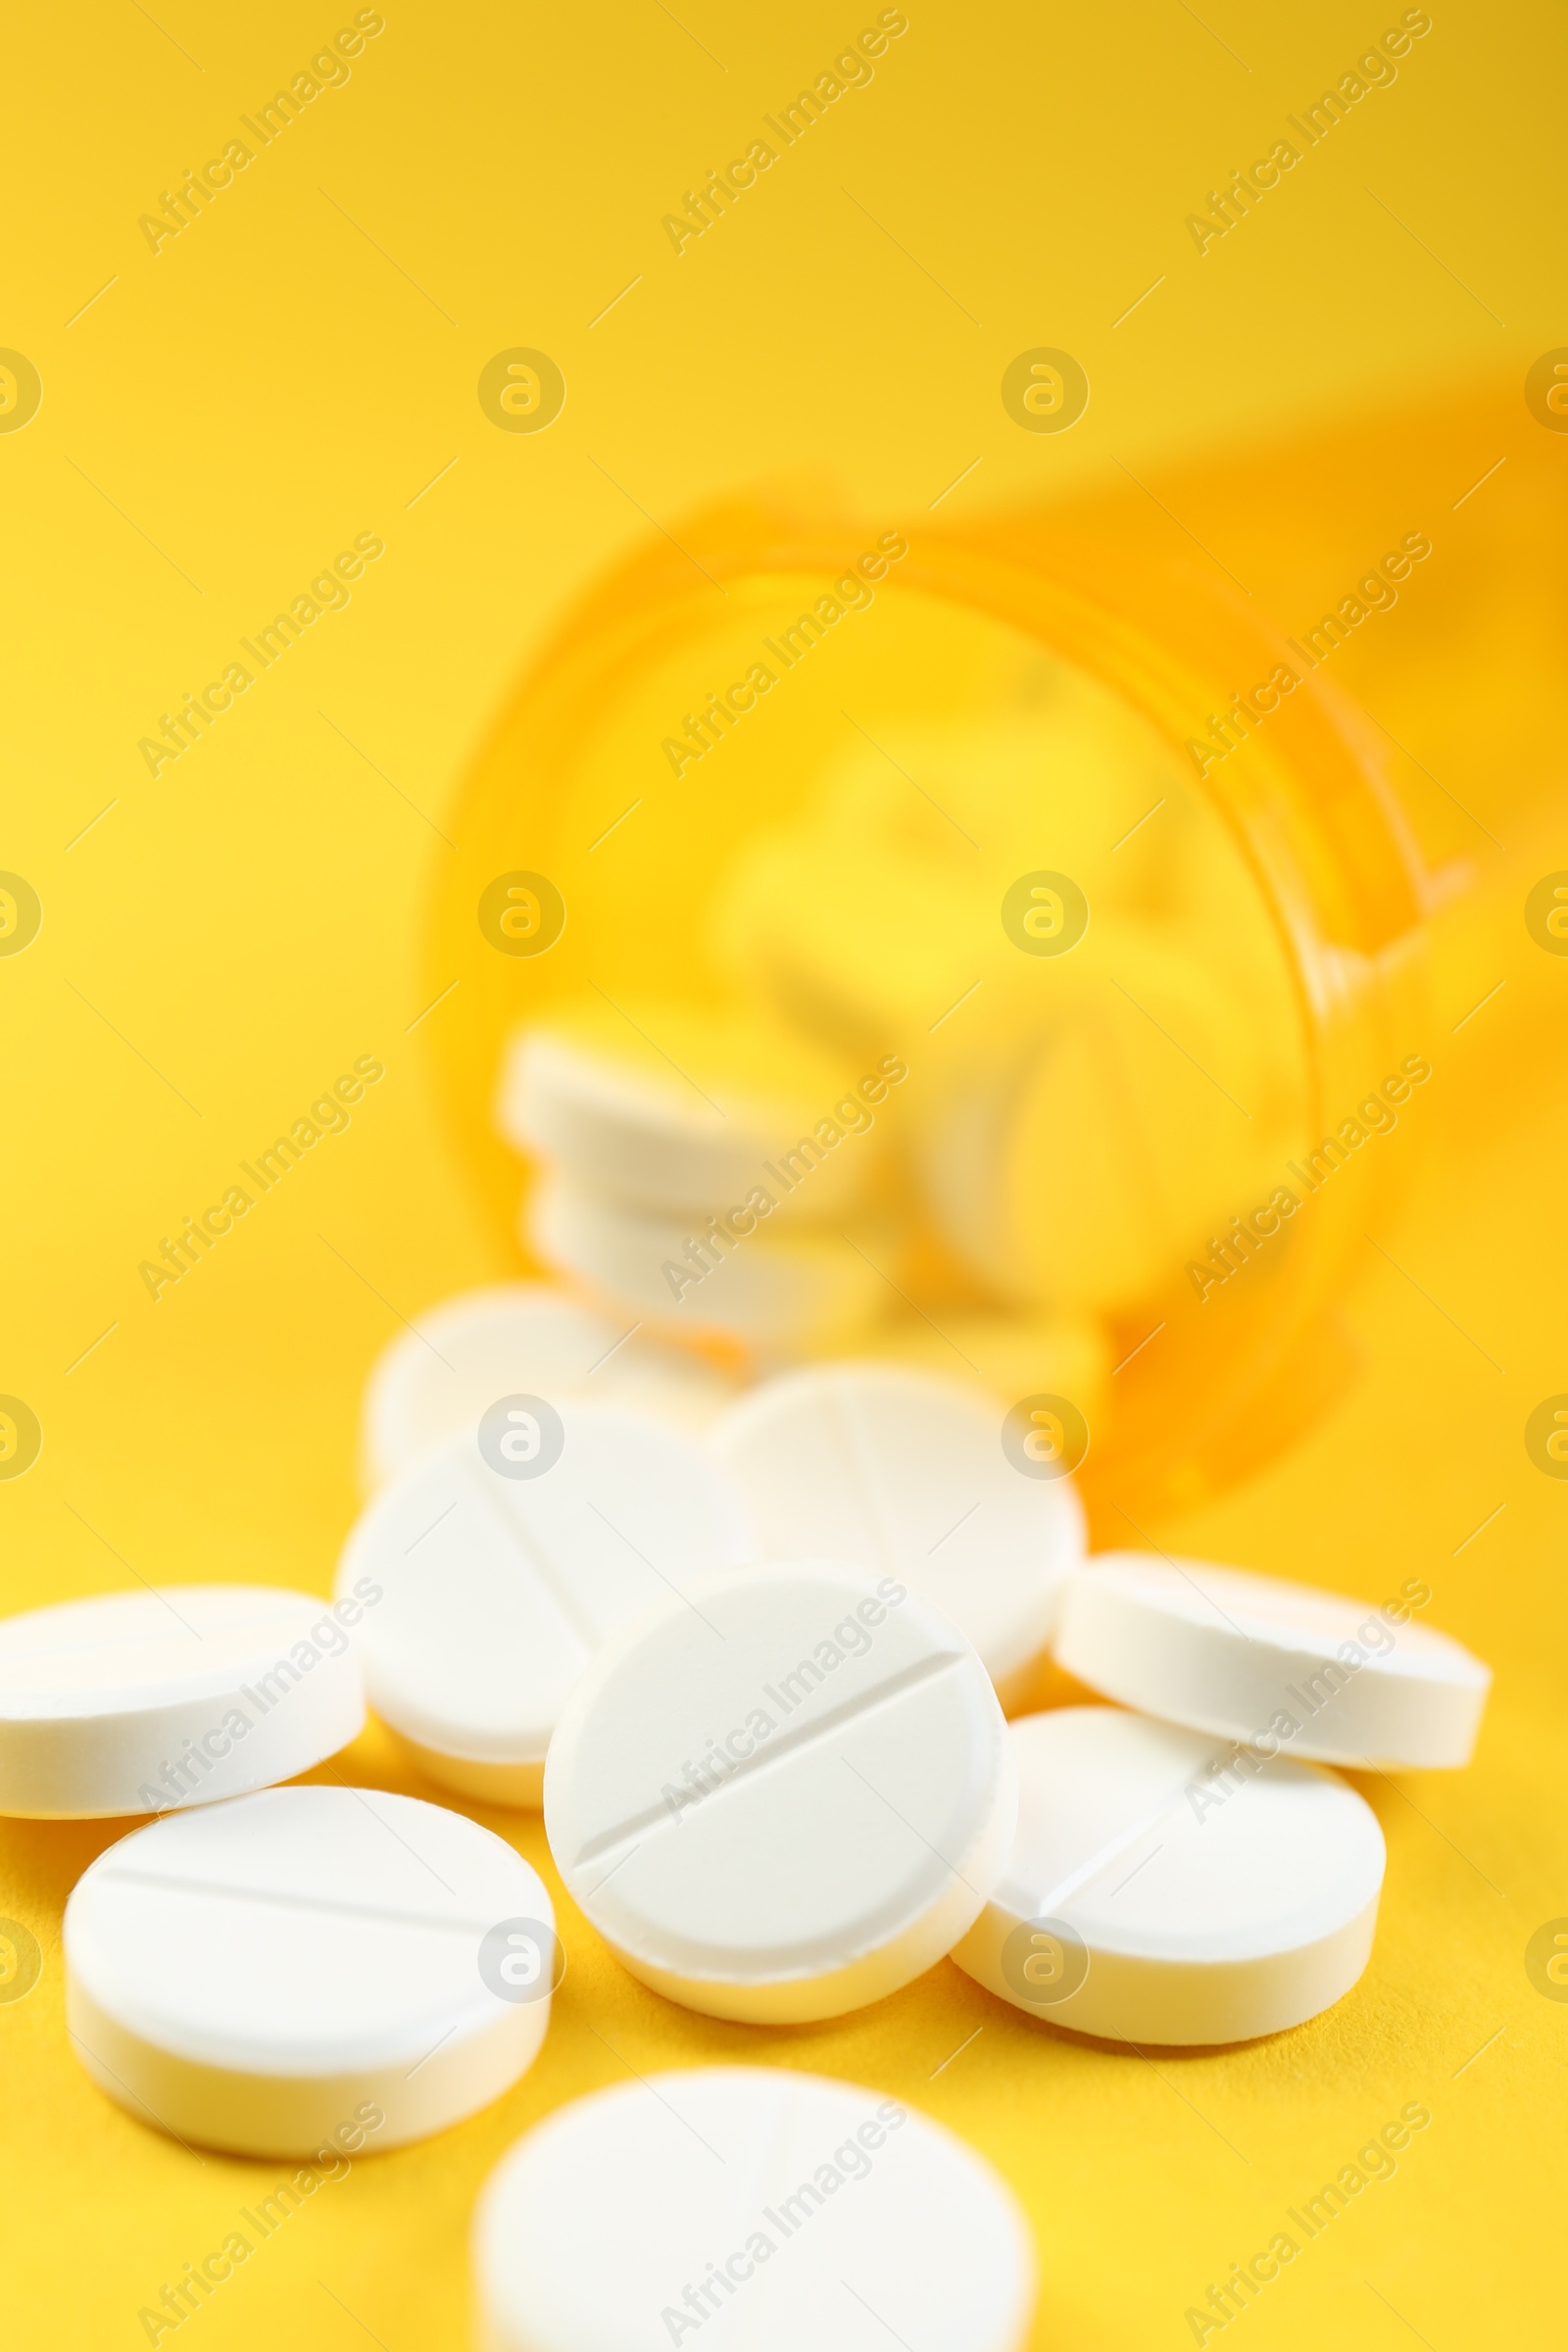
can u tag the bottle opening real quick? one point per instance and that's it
(1051, 923)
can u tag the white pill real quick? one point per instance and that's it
(507, 1555)
(1125, 1033)
(874, 911)
(777, 1291)
(670, 1107)
(778, 2209)
(139, 1702)
(904, 1473)
(1165, 1889)
(456, 1360)
(1343, 1681)
(784, 1793)
(261, 1975)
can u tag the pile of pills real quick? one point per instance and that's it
(662, 1154)
(748, 1623)
(859, 1112)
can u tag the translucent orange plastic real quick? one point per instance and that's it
(1231, 1375)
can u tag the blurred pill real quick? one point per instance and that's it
(882, 904)
(670, 1108)
(639, 2214)
(455, 1360)
(1079, 1164)
(730, 1275)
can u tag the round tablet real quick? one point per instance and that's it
(675, 1107)
(869, 915)
(139, 1702)
(777, 1290)
(266, 1974)
(453, 1364)
(1162, 1888)
(904, 1473)
(506, 1555)
(791, 2209)
(783, 1793)
(1117, 1061)
(1342, 1681)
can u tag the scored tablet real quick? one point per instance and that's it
(506, 1555)
(1166, 1887)
(793, 2210)
(255, 1974)
(906, 1473)
(783, 1792)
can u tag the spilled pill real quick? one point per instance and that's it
(748, 2206)
(1164, 1888)
(1343, 1681)
(906, 1473)
(139, 1702)
(670, 1108)
(782, 1794)
(776, 1286)
(506, 1556)
(253, 1975)
(455, 1361)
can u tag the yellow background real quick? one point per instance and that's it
(294, 369)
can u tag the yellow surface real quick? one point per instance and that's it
(297, 369)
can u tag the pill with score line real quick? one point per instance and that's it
(748, 2206)
(907, 1473)
(1166, 1887)
(782, 1794)
(247, 1976)
(507, 1554)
